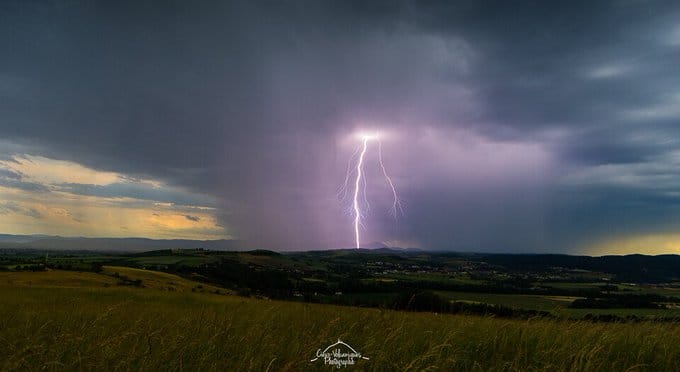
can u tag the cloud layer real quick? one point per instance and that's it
(42, 195)
(509, 127)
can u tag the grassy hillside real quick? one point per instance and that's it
(110, 276)
(93, 327)
(160, 280)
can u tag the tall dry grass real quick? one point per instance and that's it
(103, 329)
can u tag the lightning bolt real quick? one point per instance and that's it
(342, 192)
(396, 203)
(355, 202)
(360, 185)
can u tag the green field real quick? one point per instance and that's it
(556, 305)
(533, 302)
(622, 288)
(82, 324)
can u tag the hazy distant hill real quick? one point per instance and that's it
(7, 238)
(42, 242)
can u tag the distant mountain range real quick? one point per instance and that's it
(46, 242)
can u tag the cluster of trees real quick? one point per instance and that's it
(649, 301)
(31, 267)
(245, 279)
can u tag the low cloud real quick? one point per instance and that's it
(32, 212)
(9, 207)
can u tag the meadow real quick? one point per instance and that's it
(85, 321)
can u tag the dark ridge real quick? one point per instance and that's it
(263, 252)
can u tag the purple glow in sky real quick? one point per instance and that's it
(358, 210)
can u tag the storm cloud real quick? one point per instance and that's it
(517, 126)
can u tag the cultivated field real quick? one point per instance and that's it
(89, 322)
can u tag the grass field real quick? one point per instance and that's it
(534, 302)
(85, 326)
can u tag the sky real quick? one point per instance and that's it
(505, 126)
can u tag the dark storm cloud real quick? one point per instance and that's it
(137, 191)
(192, 218)
(12, 207)
(249, 103)
(9, 174)
(546, 64)
(17, 183)
(32, 212)
(13, 179)
(26, 186)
